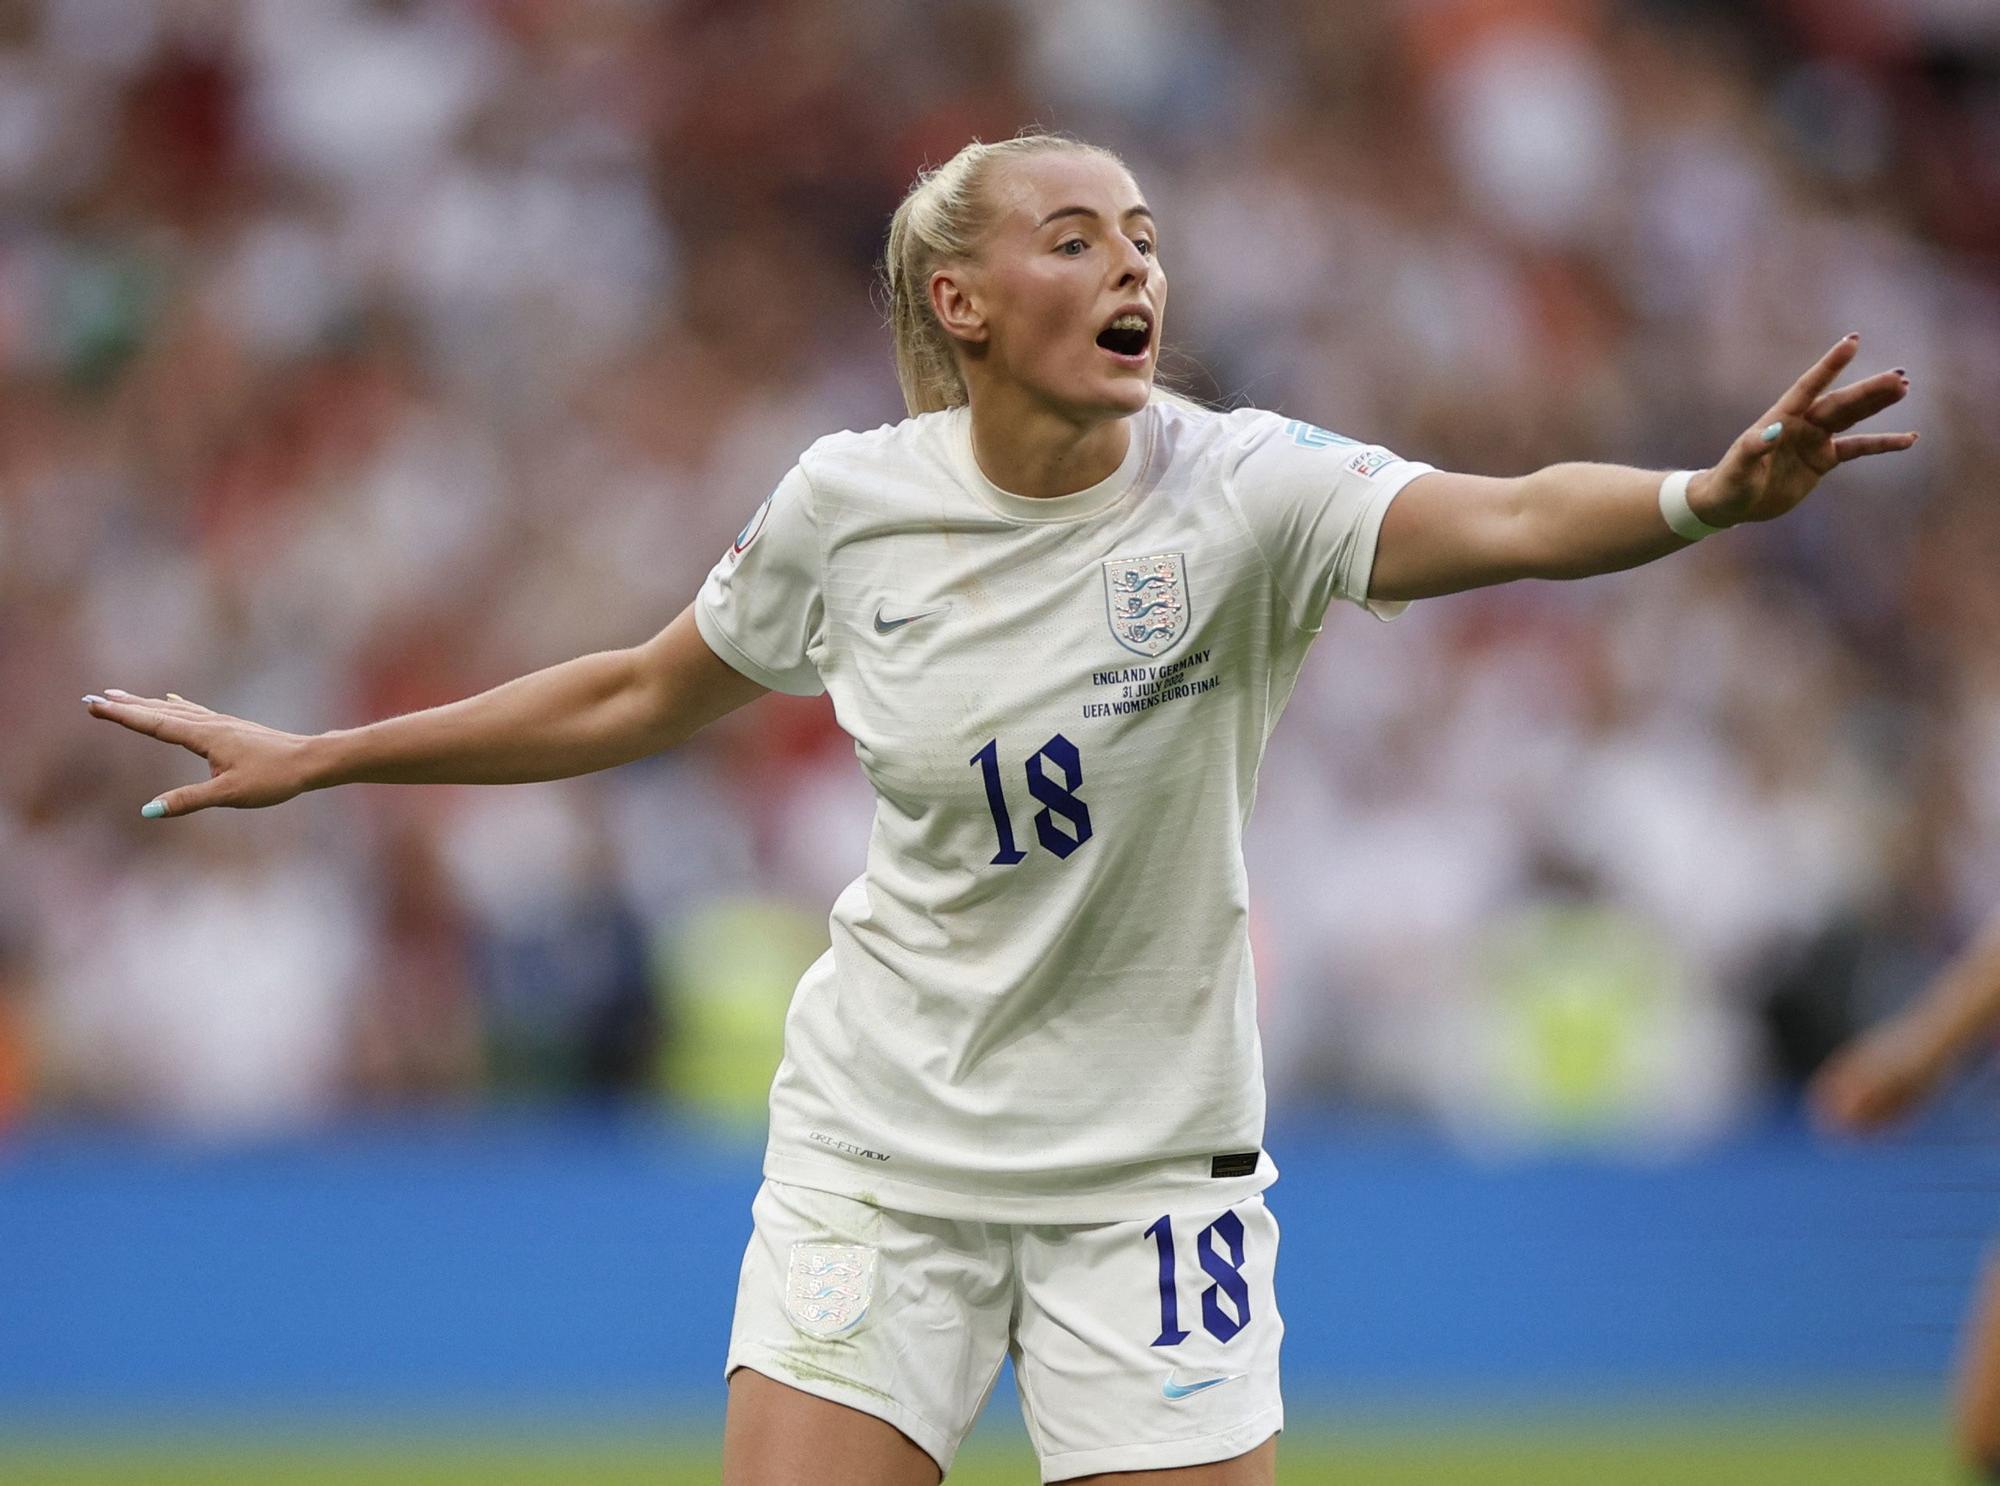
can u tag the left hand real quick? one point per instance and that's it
(1763, 477)
(249, 765)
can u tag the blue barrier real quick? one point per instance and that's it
(506, 1264)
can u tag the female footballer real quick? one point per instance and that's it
(1020, 1109)
(1882, 1076)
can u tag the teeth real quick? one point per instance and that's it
(1129, 322)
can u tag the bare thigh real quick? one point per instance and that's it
(1979, 1376)
(777, 1435)
(1257, 1468)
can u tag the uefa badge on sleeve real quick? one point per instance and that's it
(828, 1287)
(1146, 600)
(751, 527)
(1370, 462)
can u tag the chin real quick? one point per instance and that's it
(1100, 398)
(1124, 395)
(1135, 394)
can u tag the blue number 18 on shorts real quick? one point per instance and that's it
(1227, 1272)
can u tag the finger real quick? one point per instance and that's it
(178, 730)
(1819, 376)
(1835, 1116)
(1840, 410)
(168, 706)
(184, 801)
(1829, 1096)
(153, 722)
(1861, 445)
(172, 703)
(1849, 1107)
(129, 714)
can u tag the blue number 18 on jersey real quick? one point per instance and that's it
(1057, 799)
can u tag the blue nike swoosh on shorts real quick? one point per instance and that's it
(1181, 1390)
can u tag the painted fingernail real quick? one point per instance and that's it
(1771, 432)
(116, 692)
(1899, 371)
(1852, 335)
(154, 810)
(93, 700)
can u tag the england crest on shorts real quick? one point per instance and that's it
(828, 1287)
(1146, 599)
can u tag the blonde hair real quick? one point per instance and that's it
(939, 222)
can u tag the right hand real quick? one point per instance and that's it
(1793, 446)
(249, 764)
(1876, 1079)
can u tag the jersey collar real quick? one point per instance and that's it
(1080, 503)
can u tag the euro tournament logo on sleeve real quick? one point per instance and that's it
(1370, 462)
(1146, 599)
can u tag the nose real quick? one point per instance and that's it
(1134, 267)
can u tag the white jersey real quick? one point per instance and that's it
(1039, 1004)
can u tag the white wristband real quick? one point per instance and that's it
(1674, 506)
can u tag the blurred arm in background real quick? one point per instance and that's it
(1448, 532)
(1889, 1070)
(591, 713)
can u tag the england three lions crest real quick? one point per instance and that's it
(828, 1287)
(1147, 601)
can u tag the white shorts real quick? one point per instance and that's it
(1136, 1346)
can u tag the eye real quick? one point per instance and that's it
(1066, 244)
(1145, 245)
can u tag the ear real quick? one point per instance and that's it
(956, 306)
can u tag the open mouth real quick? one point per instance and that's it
(1128, 335)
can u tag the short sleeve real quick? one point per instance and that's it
(761, 608)
(1314, 503)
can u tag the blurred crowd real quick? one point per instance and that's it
(356, 355)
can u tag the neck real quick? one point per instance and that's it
(1029, 449)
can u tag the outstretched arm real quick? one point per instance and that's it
(1446, 532)
(585, 714)
(1893, 1067)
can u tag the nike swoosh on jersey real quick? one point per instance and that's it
(1183, 1390)
(890, 626)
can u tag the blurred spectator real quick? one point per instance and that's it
(357, 355)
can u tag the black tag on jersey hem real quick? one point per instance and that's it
(1242, 1163)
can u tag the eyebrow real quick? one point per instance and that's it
(1084, 211)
